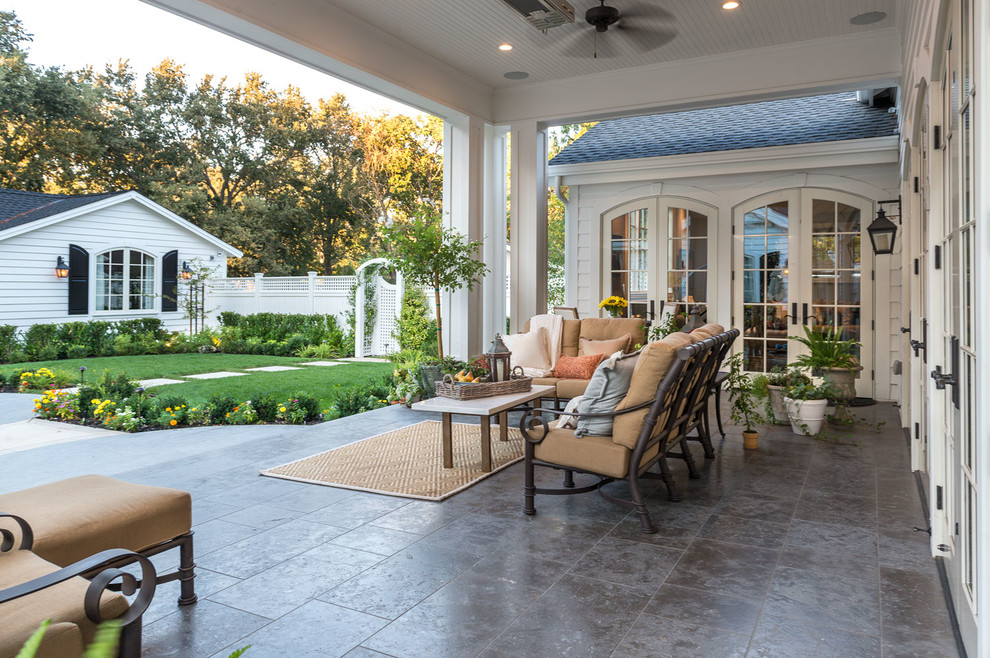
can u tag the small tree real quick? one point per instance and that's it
(428, 254)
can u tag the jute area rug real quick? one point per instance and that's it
(406, 462)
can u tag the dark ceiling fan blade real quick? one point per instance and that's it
(646, 39)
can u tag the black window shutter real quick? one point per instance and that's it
(170, 281)
(78, 280)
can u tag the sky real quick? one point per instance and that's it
(79, 33)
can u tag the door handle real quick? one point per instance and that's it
(906, 330)
(804, 312)
(943, 379)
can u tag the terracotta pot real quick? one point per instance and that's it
(750, 440)
(777, 404)
(807, 416)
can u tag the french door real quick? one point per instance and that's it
(660, 252)
(799, 262)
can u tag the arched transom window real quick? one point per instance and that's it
(125, 280)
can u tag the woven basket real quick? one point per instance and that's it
(448, 388)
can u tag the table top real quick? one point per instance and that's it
(483, 406)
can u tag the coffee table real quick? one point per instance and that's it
(484, 408)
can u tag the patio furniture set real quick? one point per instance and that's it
(64, 546)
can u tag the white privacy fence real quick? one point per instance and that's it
(309, 295)
(375, 292)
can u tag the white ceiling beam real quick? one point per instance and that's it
(328, 39)
(859, 61)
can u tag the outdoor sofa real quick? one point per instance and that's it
(84, 524)
(670, 385)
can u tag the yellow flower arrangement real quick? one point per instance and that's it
(614, 305)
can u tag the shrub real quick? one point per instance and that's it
(47, 353)
(415, 326)
(266, 406)
(8, 342)
(243, 414)
(299, 409)
(218, 406)
(114, 385)
(40, 337)
(294, 344)
(124, 419)
(76, 352)
(321, 351)
(19, 356)
(169, 411)
(45, 378)
(361, 399)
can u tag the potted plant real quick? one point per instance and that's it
(831, 358)
(806, 403)
(744, 402)
(771, 387)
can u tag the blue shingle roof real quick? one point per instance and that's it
(18, 207)
(828, 118)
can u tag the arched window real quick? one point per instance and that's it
(125, 281)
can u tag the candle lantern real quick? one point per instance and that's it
(498, 356)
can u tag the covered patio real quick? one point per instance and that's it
(804, 547)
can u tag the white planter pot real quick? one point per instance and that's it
(806, 416)
(777, 404)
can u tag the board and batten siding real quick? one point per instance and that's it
(30, 293)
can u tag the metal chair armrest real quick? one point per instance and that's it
(531, 421)
(7, 537)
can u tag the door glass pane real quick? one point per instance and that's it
(822, 216)
(823, 251)
(848, 219)
(766, 261)
(848, 251)
(629, 259)
(687, 266)
(836, 262)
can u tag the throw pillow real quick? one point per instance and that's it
(577, 367)
(566, 421)
(529, 350)
(587, 346)
(607, 388)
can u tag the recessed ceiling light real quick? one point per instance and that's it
(731, 4)
(516, 75)
(868, 18)
(505, 47)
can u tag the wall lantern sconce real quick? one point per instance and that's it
(61, 269)
(186, 272)
(883, 231)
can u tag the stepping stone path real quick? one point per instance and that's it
(365, 359)
(322, 363)
(272, 369)
(148, 383)
(216, 375)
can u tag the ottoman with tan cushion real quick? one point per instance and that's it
(78, 517)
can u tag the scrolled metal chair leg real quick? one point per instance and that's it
(668, 480)
(187, 572)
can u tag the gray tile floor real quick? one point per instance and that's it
(802, 548)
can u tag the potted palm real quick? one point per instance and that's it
(806, 403)
(743, 399)
(831, 358)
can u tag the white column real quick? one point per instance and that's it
(311, 289)
(528, 224)
(496, 163)
(570, 240)
(258, 283)
(464, 211)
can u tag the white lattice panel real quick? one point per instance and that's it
(285, 284)
(232, 285)
(385, 324)
(334, 285)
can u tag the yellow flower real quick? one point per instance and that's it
(172, 422)
(228, 415)
(95, 400)
(168, 409)
(282, 409)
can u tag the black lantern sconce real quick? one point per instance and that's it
(498, 356)
(61, 269)
(883, 231)
(186, 273)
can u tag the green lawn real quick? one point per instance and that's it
(150, 366)
(322, 382)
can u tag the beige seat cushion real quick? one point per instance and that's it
(654, 361)
(571, 388)
(60, 603)
(80, 516)
(606, 328)
(545, 381)
(62, 640)
(598, 454)
(712, 328)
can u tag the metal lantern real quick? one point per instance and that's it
(61, 269)
(882, 233)
(186, 273)
(498, 356)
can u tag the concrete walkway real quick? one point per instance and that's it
(20, 430)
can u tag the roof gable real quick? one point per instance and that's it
(828, 118)
(18, 208)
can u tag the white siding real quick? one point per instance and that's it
(30, 293)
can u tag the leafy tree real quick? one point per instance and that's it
(428, 254)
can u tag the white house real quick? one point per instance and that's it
(113, 256)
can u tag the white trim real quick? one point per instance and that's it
(117, 199)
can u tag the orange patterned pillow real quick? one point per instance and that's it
(577, 367)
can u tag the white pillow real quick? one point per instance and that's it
(529, 350)
(566, 421)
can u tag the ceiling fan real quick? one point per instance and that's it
(640, 23)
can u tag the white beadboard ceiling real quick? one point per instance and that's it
(465, 34)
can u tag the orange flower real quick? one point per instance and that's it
(172, 422)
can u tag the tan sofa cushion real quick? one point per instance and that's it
(80, 516)
(598, 454)
(60, 603)
(680, 339)
(606, 328)
(712, 328)
(545, 381)
(607, 347)
(571, 388)
(569, 337)
(62, 640)
(654, 361)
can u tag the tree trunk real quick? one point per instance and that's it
(436, 297)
